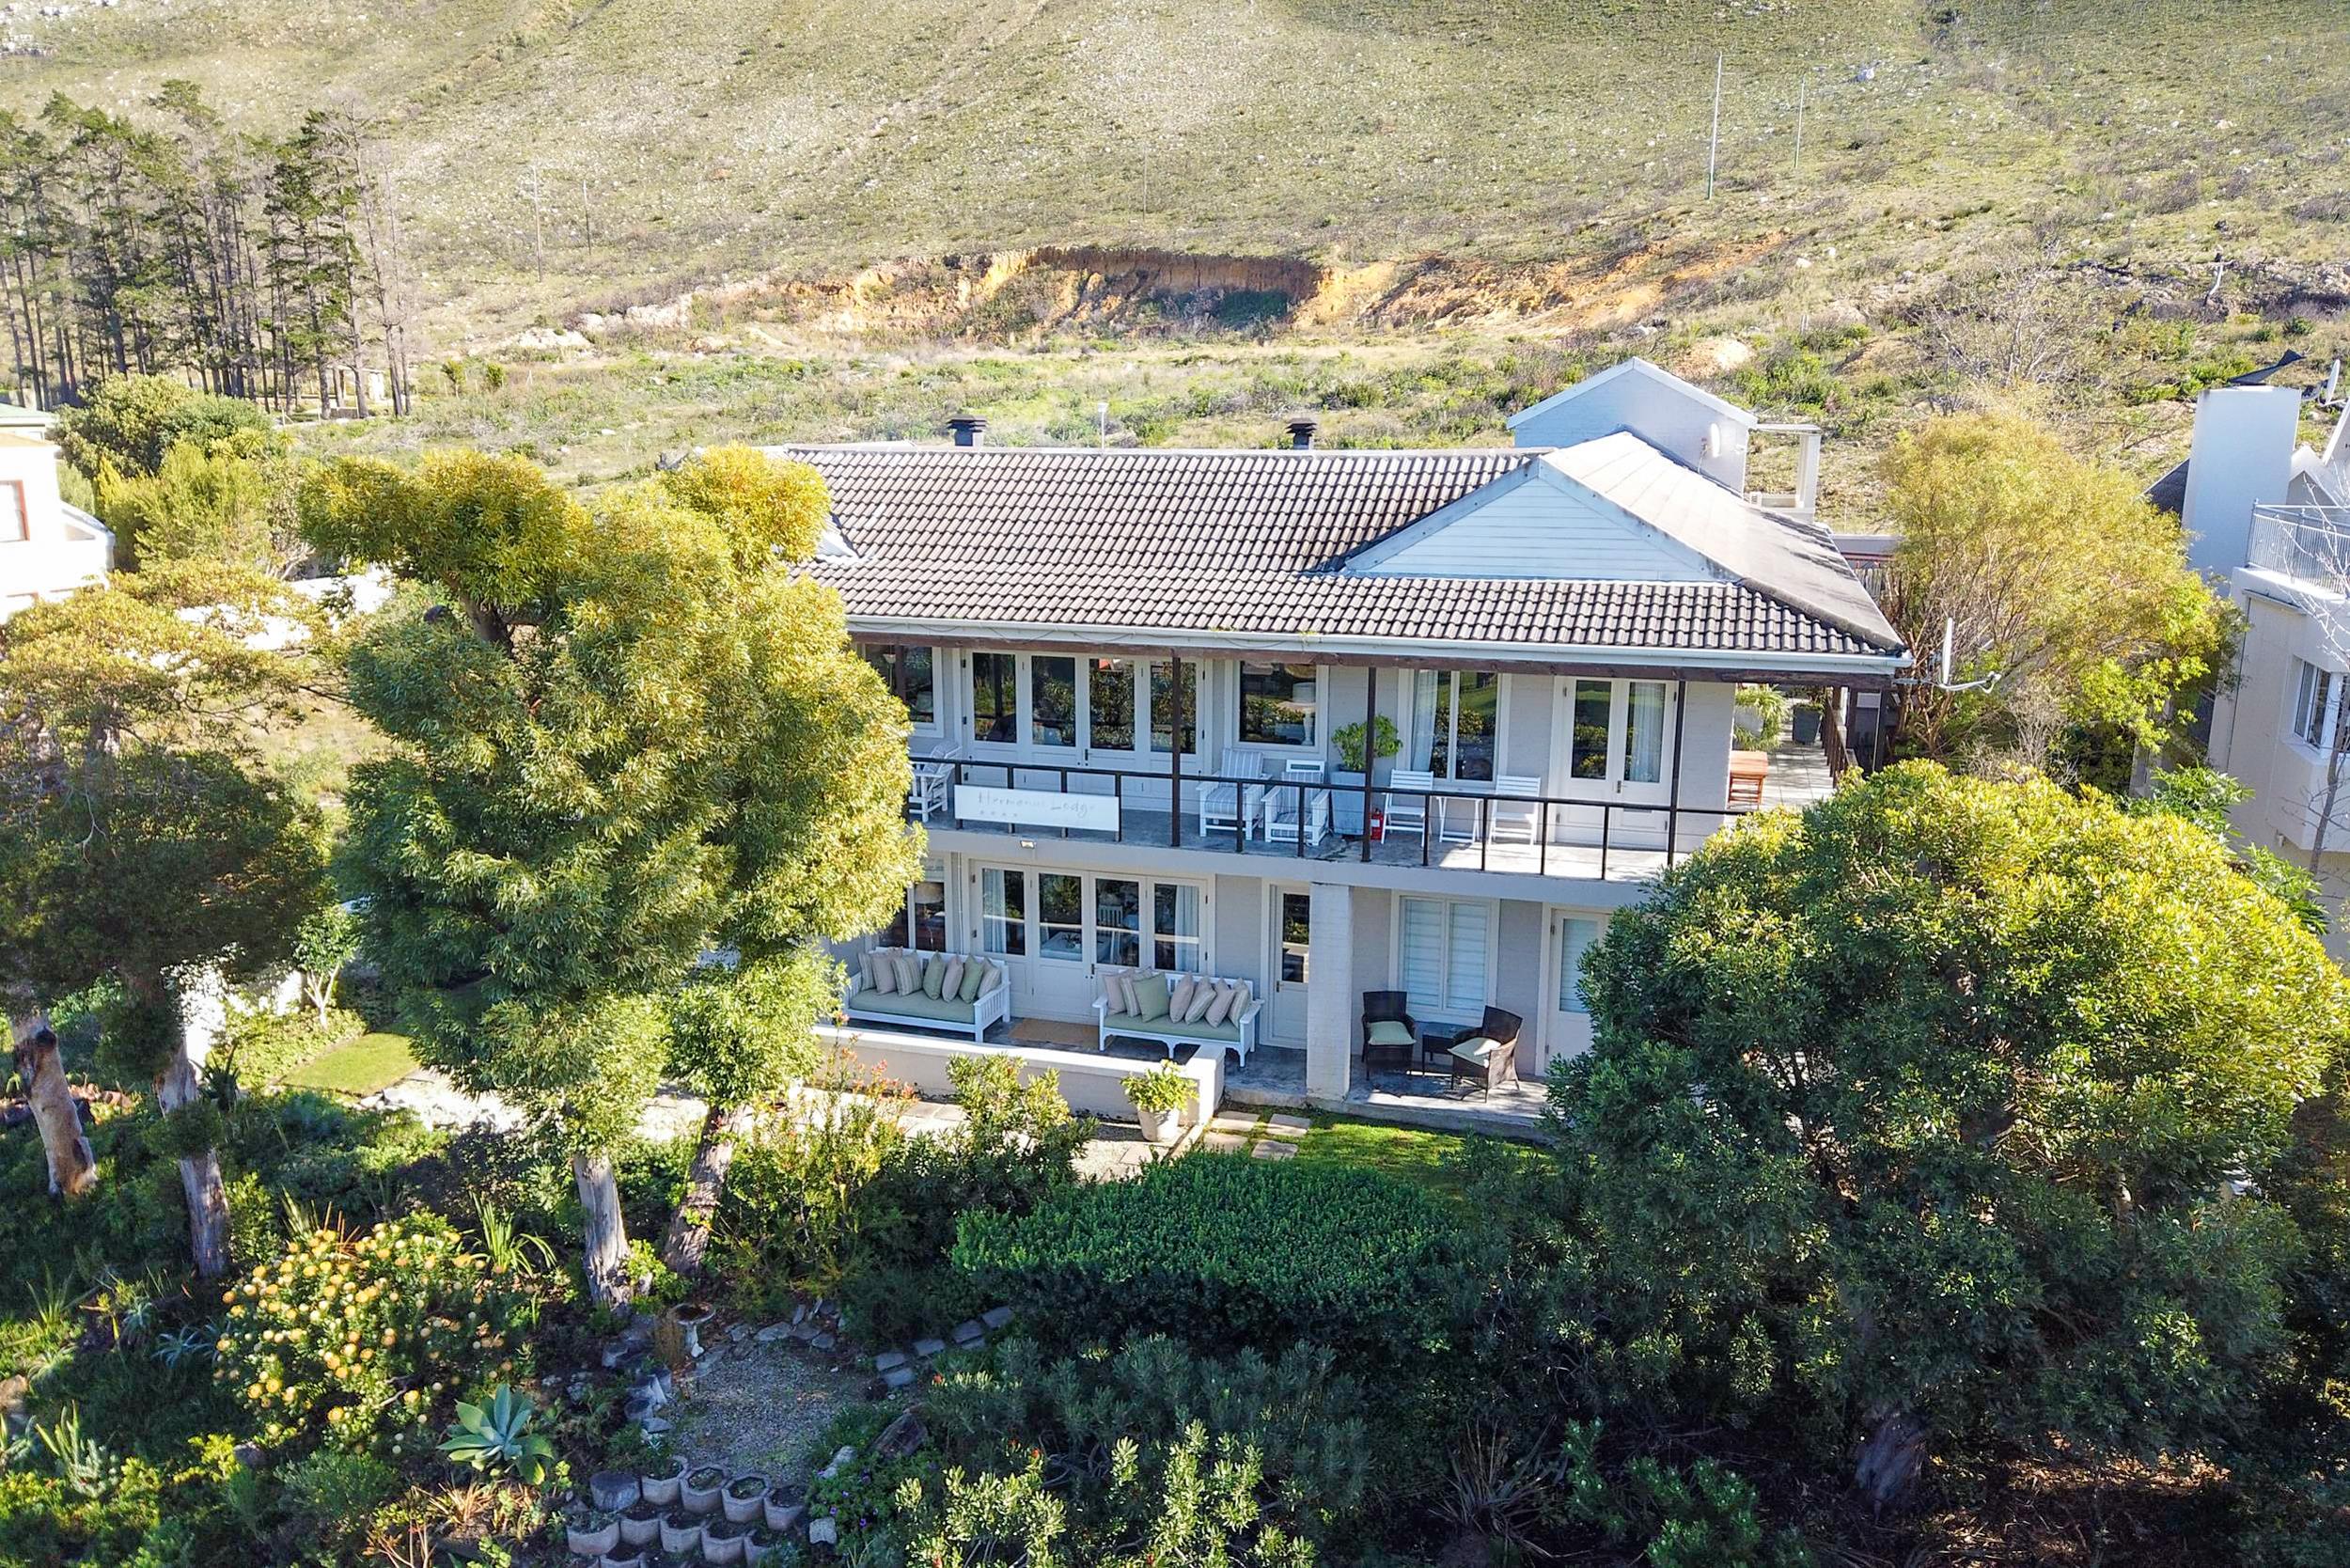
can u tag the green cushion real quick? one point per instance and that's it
(974, 976)
(935, 975)
(1151, 997)
(943, 1010)
(1386, 1032)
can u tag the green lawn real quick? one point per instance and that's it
(1413, 1153)
(360, 1066)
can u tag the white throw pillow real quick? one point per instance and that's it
(952, 987)
(1220, 1004)
(1202, 998)
(1179, 999)
(1127, 1002)
(909, 972)
(880, 974)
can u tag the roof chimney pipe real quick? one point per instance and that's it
(967, 428)
(1302, 432)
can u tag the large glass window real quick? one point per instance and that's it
(1297, 936)
(1053, 699)
(1644, 732)
(1061, 916)
(995, 697)
(1456, 718)
(1277, 704)
(1576, 938)
(1117, 921)
(1175, 928)
(1594, 713)
(1444, 956)
(1110, 704)
(921, 921)
(1004, 911)
(910, 675)
(1170, 717)
(2312, 702)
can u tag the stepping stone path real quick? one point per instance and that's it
(1265, 1137)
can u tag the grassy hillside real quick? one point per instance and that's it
(1337, 178)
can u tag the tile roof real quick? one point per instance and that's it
(1244, 542)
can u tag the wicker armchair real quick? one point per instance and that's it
(1490, 1057)
(1389, 1035)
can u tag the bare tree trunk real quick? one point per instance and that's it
(1832, 733)
(176, 1087)
(688, 1239)
(607, 1232)
(73, 1167)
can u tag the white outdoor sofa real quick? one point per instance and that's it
(1236, 1031)
(924, 1005)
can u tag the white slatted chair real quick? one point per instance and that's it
(934, 783)
(1284, 818)
(1515, 822)
(1231, 807)
(1406, 808)
(1459, 813)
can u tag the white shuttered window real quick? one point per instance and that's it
(1444, 955)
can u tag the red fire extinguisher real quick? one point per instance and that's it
(1378, 826)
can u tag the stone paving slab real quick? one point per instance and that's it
(1285, 1125)
(1228, 1143)
(1234, 1122)
(1272, 1150)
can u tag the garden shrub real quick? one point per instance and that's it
(1219, 1251)
(369, 1340)
(265, 1046)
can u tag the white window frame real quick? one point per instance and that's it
(1581, 1007)
(1452, 673)
(1493, 946)
(2314, 700)
(1322, 707)
(1148, 936)
(905, 912)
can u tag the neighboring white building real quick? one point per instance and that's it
(1129, 671)
(2269, 520)
(47, 548)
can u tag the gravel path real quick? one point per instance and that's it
(757, 1407)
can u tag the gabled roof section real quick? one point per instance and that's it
(1636, 366)
(1219, 548)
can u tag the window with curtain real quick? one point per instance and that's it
(995, 697)
(1004, 911)
(1052, 700)
(921, 921)
(1061, 916)
(1175, 928)
(1576, 938)
(1456, 718)
(1117, 921)
(1644, 732)
(909, 674)
(1445, 956)
(1167, 717)
(1277, 704)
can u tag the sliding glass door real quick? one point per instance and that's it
(1056, 930)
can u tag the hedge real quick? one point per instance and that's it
(1220, 1250)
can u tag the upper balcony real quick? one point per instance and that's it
(2309, 544)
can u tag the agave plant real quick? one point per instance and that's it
(499, 1437)
(192, 1343)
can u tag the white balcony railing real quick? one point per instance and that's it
(2308, 543)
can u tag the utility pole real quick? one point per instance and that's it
(1714, 142)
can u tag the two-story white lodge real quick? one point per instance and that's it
(1138, 679)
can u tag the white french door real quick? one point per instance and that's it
(1056, 930)
(1288, 940)
(1612, 744)
(1566, 1026)
(1082, 711)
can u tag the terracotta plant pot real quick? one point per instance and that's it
(701, 1489)
(680, 1533)
(661, 1484)
(743, 1500)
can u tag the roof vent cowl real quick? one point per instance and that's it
(1302, 432)
(967, 428)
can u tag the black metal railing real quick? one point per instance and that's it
(1537, 831)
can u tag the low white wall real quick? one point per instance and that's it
(1092, 1083)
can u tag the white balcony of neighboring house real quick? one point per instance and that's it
(47, 548)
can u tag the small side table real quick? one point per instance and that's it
(1435, 1044)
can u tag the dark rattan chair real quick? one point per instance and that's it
(1499, 1066)
(1392, 1051)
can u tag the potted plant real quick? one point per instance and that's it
(1159, 1097)
(640, 1523)
(782, 1505)
(745, 1493)
(723, 1541)
(701, 1490)
(590, 1532)
(1346, 783)
(662, 1479)
(681, 1532)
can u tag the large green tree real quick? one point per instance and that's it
(2072, 612)
(144, 840)
(1952, 1117)
(625, 740)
